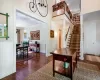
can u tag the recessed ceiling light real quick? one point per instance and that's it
(71, 10)
(67, 4)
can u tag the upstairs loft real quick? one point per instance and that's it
(62, 8)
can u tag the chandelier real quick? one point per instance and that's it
(39, 5)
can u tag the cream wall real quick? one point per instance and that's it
(43, 35)
(56, 26)
(91, 38)
(91, 28)
(22, 5)
(8, 54)
(88, 6)
(87, 45)
(55, 40)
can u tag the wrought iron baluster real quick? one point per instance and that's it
(33, 4)
(39, 3)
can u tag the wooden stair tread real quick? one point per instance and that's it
(73, 48)
(74, 39)
(73, 42)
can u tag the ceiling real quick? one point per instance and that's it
(23, 20)
(74, 5)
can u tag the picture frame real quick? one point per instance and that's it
(35, 35)
(51, 33)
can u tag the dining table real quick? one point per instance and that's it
(24, 50)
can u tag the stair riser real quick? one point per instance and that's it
(74, 48)
(74, 45)
(71, 43)
(74, 39)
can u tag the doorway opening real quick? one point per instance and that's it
(60, 38)
(29, 36)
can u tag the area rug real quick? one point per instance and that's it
(84, 71)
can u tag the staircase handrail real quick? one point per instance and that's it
(67, 33)
(70, 30)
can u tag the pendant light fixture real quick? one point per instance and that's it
(39, 5)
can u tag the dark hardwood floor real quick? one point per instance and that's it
(24, 68)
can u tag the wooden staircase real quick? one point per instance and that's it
(73, 33)
(74, 38)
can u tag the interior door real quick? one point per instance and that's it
(60, 35)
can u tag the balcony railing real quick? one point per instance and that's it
(60, 9)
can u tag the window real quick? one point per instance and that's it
(3, 30)
(3, 25)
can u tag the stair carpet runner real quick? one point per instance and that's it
(74, 38)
